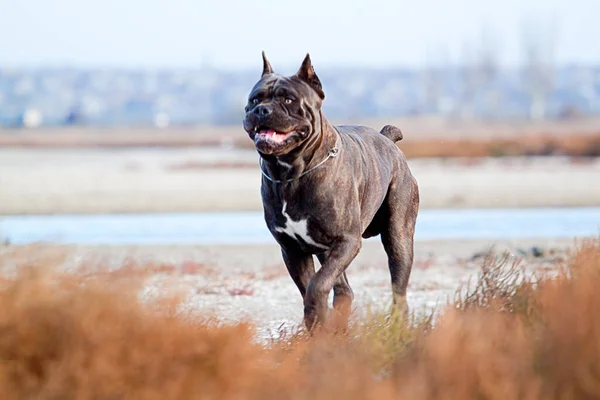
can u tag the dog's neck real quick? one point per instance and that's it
(313, 151)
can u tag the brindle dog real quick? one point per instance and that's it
(326, 187)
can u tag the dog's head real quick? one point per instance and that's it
(284, 111)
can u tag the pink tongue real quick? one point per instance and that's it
(268, 132)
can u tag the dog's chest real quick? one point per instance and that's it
(296, 228)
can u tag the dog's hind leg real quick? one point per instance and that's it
(402, 205)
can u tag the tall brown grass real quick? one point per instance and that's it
(416, 145)
(529, 145)
(507, 336)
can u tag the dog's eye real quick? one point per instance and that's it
(254, 101)
(288, 101)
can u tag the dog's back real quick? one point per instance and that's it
(391, 132)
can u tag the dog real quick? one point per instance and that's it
(325, 188)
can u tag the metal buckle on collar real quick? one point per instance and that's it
(334, 151)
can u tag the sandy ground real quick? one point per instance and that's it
(41, 181)
(251, 283)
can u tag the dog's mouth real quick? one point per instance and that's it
(275, 140)
(270, 135)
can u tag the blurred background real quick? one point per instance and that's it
(135, 106)
(159, 63)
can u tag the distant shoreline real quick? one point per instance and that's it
(423, 137)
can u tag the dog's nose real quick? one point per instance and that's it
(263, 110)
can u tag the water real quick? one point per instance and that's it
(249, 227)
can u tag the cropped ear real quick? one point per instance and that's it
(308, 75)
(266, 65)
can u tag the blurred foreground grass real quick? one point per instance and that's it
(508, 335)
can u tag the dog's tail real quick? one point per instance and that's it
(391, 132)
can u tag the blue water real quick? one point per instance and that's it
(249, 227)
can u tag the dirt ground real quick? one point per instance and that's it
(48, 181)
(251, 283)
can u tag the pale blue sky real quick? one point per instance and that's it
(231, 33)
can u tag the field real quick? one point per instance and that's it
(496, 319)
(89, 329)
(457, 165)
(241, 282)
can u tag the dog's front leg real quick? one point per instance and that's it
(340, 256)
(300, 266)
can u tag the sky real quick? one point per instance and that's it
(231, 33)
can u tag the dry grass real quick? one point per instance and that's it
(578, 147)
(420, 139)
(507, 336)
(535, 145)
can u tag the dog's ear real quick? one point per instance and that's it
(267, 69)
(308, 75)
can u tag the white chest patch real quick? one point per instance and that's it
(297, 228)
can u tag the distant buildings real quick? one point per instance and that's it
(52, 97)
